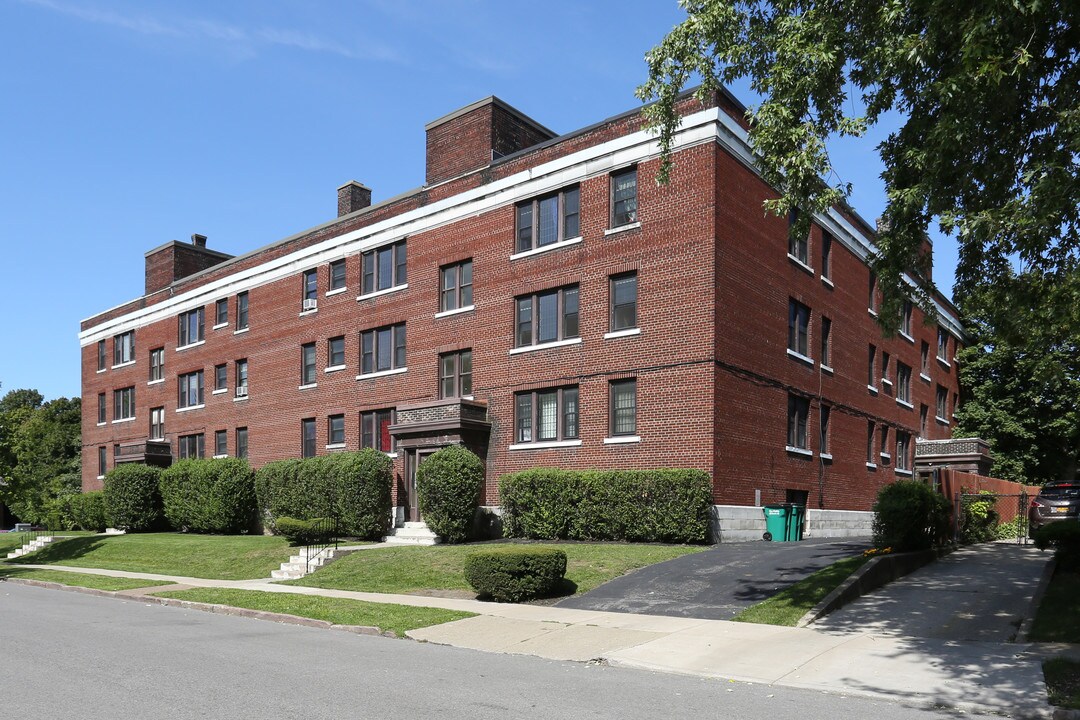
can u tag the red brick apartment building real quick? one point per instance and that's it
(542, 300)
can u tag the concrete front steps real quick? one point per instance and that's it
(297, 566)
(33, 546)
(412, 533)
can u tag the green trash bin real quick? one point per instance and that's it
(783, 522)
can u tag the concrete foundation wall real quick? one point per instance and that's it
(740, 523)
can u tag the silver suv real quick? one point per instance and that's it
(1058, 500)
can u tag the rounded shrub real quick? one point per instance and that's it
(132, 498)
(448, 491)
(909, 515)
(210, 496)
(88, 510)
(513, 574)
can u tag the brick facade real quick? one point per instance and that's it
(709, 351)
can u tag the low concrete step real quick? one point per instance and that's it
(286, 574)
(412, 533)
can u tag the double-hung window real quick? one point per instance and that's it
(101, 460)
(798, 328)
(624, 200)
(310, 291)
(221, 377)
(826, 255)
(101, 411)
(455, 374)
(942, 345)
(335, 353)
(798, 413)
(335, 431)
(242, 311)
(548, 415)
(870, 427)
(903, 383)
(942, 408)
(924, 414)
(871, 300)
(375, 430)
(337, 275)
(624, 302)
(307, 364)
(384, 268)
(548, 220)
(191, 389)
(221, 443)
(455, 286)
(382, 349)
(221, 312)
(101, 361)
(157, 423)
(190, 446)
(826, 340)
(823, 430)
(925, 358)
(157, 364)
(623, 409)
(871, 378)
(547, 317)
(307, 437)
(798, 245)
(241, 378)
(241, 442)
(903, 450)
(191, 327)
(886, 383)
(124, 403)
(124, 348)
(905, 319)
(885, 456)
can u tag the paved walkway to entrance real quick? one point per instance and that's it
(717, 583)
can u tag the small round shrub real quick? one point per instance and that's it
(448, 490)
(88, 510)
(513, 574)
(132, 498)
(909, 515)
(303, 532)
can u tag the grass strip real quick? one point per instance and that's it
(97, 582)
(791, 603)
(1058, 617)
(340, 611)
(218, 557)
(441, 567)
(1062, 682)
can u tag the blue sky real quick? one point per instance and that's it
(128, 124)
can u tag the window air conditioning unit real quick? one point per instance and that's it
(241, 391)
(311, 304)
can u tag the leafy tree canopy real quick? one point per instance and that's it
(991, 96)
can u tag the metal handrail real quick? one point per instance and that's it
(326, 534)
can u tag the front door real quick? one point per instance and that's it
(413, 458)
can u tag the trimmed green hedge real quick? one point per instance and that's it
(448, 488)
(132, 498)
(209, 496)
(352, 486)
(87, 510)
(302, 532)
(909, 515)
(513, 574)
(668, 505)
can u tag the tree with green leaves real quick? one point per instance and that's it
(990, 93)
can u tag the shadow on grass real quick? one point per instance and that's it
(61, 551)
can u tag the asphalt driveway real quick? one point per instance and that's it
(718, 583)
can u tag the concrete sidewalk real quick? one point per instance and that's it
(971, 676)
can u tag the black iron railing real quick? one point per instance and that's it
(324, 539)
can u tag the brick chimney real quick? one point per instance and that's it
(352, 196)
(470, 138)
(174, 260)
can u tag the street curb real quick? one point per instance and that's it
(208, 607)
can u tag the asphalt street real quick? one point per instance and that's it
(69, 655)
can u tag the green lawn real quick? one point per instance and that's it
(1058, 617)
(98, 582)
(396, 618)
(790, 604)
(14, 541)
(222, 557)
(420, 569)
(1062, 682)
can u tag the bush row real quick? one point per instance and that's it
(209, 496)
(633, 505)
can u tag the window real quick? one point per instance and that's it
(623, 302)
(335, 430)
(101, 412)
(455, 374)
(101, 362)
(124, 404)
(190, 446)
(548, 220)
(903, 383)
(242, 311)
(335, 352)
(871, 378)
(157, 364)
(903, 450)
(826, 255)
(191, 327)
(798, 410)
(221, 312)
(307, 437)
(798, 247)
(623, 410)
(337, 275)
(456, 286)
(942, 404)
(241, 378)
(191, 389)
(885, 457)
(871, 301)
(221, 443)
(823, 430)
(310, 291)
(924, 413)
(157, 423)
(221, 377)
(546, 415)
(624, 197)
(826, 337)
(124, 348)
(942, 345)
(547, 317)
(925, 359)
(382, 349)
(905, 319)
(375, 430)
(384, 268)
(307, 364)
(870, 443)
(798, 324)
(885, 381)
(101, 459)
(241, 442)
